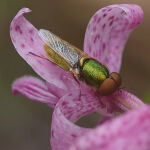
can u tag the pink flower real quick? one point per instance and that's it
(106, 34)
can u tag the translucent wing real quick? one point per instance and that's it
(62, 48)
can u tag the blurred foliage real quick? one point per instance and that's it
(146, 97)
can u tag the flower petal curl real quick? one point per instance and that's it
(26, 39)
(108, 31)
(129, 131)
(34, 89)
(72, 107)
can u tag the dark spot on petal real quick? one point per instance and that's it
(18, 29)
(117, 47)
(95, 17)
(110, 24)
(139, 143)
(64, 103)
(103, 136)
(109, 9)
(104, 46)
(99, 19)
(104, 15)
(70, 94)
(32, 39)
(22, 46)
(110, 18)
(89, 105)
(106, 60)
(89, 48)
(96, 38)
(94, 28)
(104, 25)
(52, 133)
(31, 31)
(123, 12)
(73, 135)
(103, 10)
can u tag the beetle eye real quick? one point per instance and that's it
(116, 77)
(110, 84)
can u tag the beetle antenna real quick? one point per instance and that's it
(41, 57)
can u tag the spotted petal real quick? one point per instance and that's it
(108, 31)
(129, 131)
(71, 107)
(67, 111)
(34, 89)
(26, 39)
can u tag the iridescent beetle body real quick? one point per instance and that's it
(82, 66)
(93, 72)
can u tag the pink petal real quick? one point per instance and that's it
(130, 131)
(125, 100)
(70, 108)
(26, 39)
(108, 31)
(121, 99)
(34, 89)
(63, 86)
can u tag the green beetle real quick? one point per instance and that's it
(82, 66)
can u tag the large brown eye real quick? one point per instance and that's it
(110, 84)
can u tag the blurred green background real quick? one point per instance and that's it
(26, 124)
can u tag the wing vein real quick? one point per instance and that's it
(62, 48)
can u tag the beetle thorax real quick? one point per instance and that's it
(93, 72)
